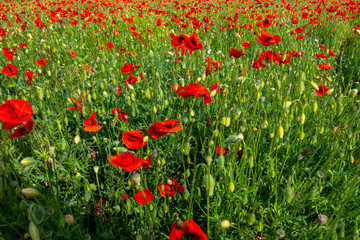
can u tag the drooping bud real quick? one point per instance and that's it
(209, 183)
(287, 104)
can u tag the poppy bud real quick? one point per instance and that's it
(232, 187)
(211, 143)
(154, 110)
(353, 93)
(105, 94)
(186, 194)
(287, 104)
(192, 113)
(315, 107)
(289, 194)
(209, 183)
(227, 121)
(77, 139)
(213, 93)
(69, 219)
(278, 84)
(301, 87)
(252, 219)
(78, 175)
(28, 161)
(281, 131)
(225, 224)
(34, 231)
(117, 208)
(147, 93)
(328, 79)
(251, 161)
(136, 178)
(302, 118)
(220, 161)
(330, 91)
(208, 159)
(216, 133)
(232, 139)
(30, 192)
(280, 233)
(322, 219)
(96, 169)
(151, 54)
(186, 149)
(315, 86)
(302, 136)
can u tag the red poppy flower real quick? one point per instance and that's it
(192, 229)
(178, 41)
(159, 129)
(76, 103)
(91, 124)
(300, 37)
(124, 196)
(14, 112)
(23, 44)
(213, 66)
(215, 86)
(129, 162)
(139, 197)
(325, 67)
(109, 46)
(2, 32)
(267, 39)
(272, 56)
(332, 53)
(322, 90)
(22, 130)
(192, 43)
(122, 115)
(169, 189)
(194, 89)
(246, 44)
(8, 54)
(220, 150)
(321, 55)
(235, 53)
(322, 46)
(118, 90)
(258, 62)
(41, 62)
(127, 68)
(131, 80)
(208, 121)
(9, 70)
(133, 139)
(30, 75)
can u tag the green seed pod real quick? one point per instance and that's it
(216, 133)
(289, 194)
(302, 135)
(209, 183)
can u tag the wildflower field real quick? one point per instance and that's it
(209, 119)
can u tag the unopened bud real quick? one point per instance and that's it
(315, 107)
(322, 219)
(151, 54)
(315, 86)
(147, 94)
(289, 194)
(30, 192)
(281, 131)
(330, 91)
(232, 139)
(34, 231)
(287, 104)
(353, 93)
(232, 187)
(136, 177)
(302, 118)
(77, 139)
(96, 169)
(225, 224)
(208, 159)
(209, 183)
(301, 87)
(69, 219)
(28, 161)
(105, 94)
